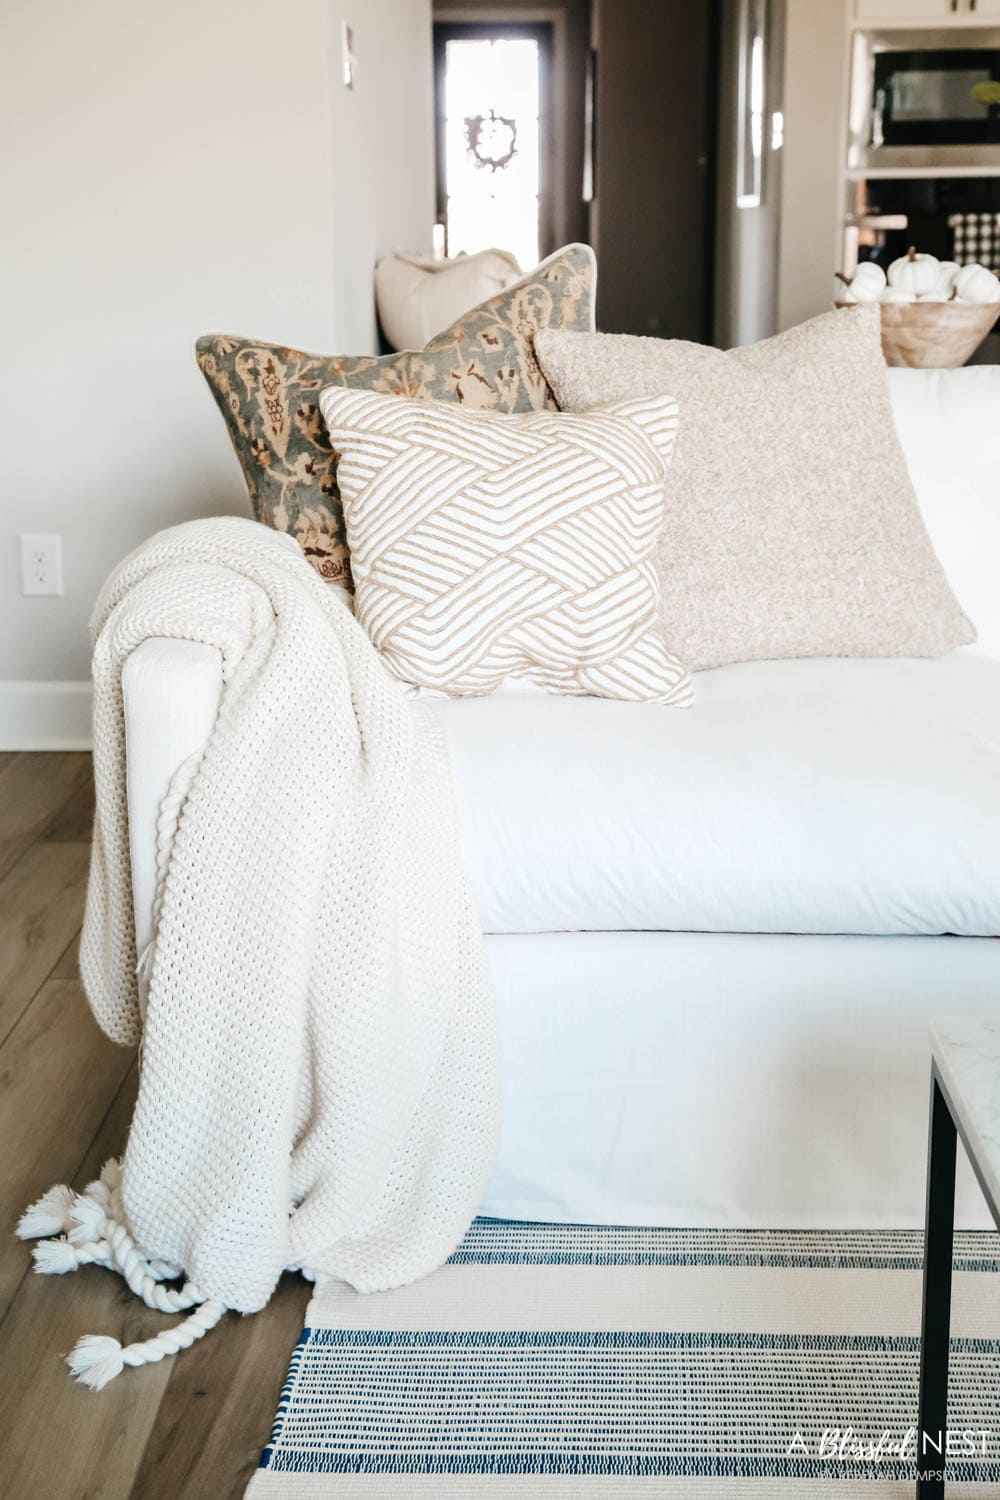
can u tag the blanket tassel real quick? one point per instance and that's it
(92, 1231)
(97, 1359)
(50, 1215)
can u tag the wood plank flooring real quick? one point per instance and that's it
(189, 1428)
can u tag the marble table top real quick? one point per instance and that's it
(967, 1054)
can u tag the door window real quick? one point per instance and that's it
(490, 82)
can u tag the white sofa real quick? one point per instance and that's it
(717, 936)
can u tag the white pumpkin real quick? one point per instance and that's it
(896, 294)
(868, 282)
(914, 273)
(945, 289)
(977, 284)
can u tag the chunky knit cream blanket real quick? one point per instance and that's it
(318, 1084)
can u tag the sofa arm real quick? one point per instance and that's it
(171, 691)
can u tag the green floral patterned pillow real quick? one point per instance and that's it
(269, 395)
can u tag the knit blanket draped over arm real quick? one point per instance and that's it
(318, 1081)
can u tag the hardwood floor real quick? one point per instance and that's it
(189, 1428)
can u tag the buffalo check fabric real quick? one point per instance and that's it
(488, 546)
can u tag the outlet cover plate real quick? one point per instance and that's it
(41, 562)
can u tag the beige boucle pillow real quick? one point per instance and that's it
(791, 525)
(486, 546)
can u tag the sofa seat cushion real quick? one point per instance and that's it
(823, 796)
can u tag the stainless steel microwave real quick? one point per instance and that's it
(928, 98)
(914, 98)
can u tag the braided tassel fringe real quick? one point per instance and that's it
(97, 1359)
(91, 1230)
(166, 827)
(50, 1215)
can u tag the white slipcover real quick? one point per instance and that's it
(949, 425)
(711, 1077)
(795, 796)
(698, 1079)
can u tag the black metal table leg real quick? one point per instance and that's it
(936, 1323)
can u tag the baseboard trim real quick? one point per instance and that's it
(45, 715)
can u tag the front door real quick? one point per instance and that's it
(492, 85)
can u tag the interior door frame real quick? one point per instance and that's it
(541, 31)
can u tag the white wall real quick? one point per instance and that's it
(383, 148)
(812, 204)
(171, 169)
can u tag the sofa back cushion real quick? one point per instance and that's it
(416, 294)
(949, 425)
(791, 524)
(487, 546)
(269, 394)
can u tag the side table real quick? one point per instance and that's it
(965, 1101)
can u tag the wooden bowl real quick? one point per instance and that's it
(933, 335)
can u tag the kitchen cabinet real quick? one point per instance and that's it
(918, 11)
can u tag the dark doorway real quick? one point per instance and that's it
(656, 80)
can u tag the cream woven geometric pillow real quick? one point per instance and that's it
(485, 546)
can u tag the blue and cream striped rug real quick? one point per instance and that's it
(557, 1361)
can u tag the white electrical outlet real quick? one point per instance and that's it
(41, 562)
